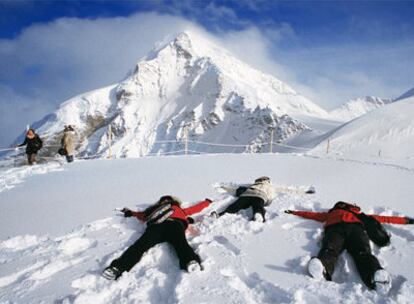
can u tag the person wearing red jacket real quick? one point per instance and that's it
(344, 230)
(166, 222)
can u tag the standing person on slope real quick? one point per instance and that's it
(344, 230)
(68, 142)
(166, 222)
(33, 144)
(257, 195)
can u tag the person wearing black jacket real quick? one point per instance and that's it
(167, 222)
(33, 144)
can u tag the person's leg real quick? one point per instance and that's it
(333, 244)
(176, 237)
(69, 158)
(31, 158)
(358, 247)
(239, 204)
(258, 207)
(152, 236)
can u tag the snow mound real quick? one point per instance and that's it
(20, 242)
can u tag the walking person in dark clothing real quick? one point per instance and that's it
(257, 195)
(345, 230)
(166, 222)
(33, 144)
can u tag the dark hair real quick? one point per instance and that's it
(345, 206)
(68, 128)
(168, 199)
(261, 179)
(165, 199)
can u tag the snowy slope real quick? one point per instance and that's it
(58, 231)
(357, 107)
(190, 84)
(388, 132)
(409, 93)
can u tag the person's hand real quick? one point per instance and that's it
(127, 212)
(208, 200)
(410, 220)
(289, 211)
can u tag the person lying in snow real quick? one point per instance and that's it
(345, 230)
(166, 222)
(257, 195)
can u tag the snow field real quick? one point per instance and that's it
(10, 177)
(244, 261)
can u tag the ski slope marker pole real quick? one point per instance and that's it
(110, 141)
(271, 140)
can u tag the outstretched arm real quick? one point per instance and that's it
(138, 214)
(317, 216)
(197, 207)
(23, 143)
(393, 219)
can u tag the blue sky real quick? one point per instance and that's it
(330, 51)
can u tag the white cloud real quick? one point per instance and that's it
(49, 63)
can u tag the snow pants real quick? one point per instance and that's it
(245, 202)
(353, 238)
(31, 158)
(172, 232)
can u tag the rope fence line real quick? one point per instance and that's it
(218, 144)
(181, 142)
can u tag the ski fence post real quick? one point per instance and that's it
(328, 145)
(271, 141)
(110, 141)
(185, 140)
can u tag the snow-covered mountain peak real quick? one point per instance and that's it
(187, 85)
(198, 45)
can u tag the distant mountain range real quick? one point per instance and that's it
(357, 107)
